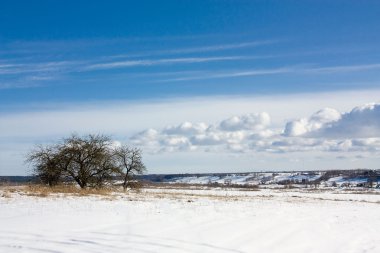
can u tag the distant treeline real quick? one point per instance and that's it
(17, 179)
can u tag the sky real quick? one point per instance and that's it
(199, 86)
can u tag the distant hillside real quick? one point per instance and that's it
(359, 177)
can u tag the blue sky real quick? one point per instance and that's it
(59, 59)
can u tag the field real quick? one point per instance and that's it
(189, 219)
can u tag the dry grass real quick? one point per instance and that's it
(187, 196)
(194, 196)
(8, 191)
(159, 192)
(64, 190)
(182, 186)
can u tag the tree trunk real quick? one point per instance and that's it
(125, 184)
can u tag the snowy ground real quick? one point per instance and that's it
(245, 178)
(268, 178)
(185, 220)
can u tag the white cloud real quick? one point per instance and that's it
(146, 137)
(344, 68)
(207, 139)
(187, 128)
(315, 122)
(153, 62)
(360, 122)
(200, 49)
(231, 133)
(211, 48)
(254, 133)
(173, 143)
(229, 74)
(294, 69)
(253, 121)
(38, 67)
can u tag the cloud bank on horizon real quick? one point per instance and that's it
(267, 133)
(326, 130)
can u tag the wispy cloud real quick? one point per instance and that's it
(41, 67)
(18, 85)
(274, 71)
(346, 68)
(202, 49)
(152, 62)
(28, 81)
(35, 72)
(220, 47)
(20, 68)
(224, 74)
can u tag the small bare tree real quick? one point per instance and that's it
(129, 161)
(46, 164)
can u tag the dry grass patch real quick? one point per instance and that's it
(190, 197)
(65, 190)
(186, 186)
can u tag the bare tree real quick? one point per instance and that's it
(46, 164)
(90, 161)
(105, 171)
(87, 159)
(129, 161)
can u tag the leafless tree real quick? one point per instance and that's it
(46, 164)
(90, 161)
(87, 159)
(129, 161)
(105, 171)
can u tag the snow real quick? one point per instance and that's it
(298, 179)
(341, 180)
(235, 179)
(186, 220)
(247, 178)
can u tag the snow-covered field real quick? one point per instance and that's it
(276, 180)
(186, 220)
